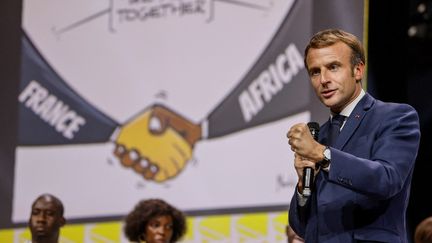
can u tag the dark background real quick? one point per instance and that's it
(399, 70)
(10, 26)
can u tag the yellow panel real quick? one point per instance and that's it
(215, 227)
(253, 225)
(72, 233)
(280, 221)
(190, 229)
(24, 235)
(256, 227)
(6, 235)
(106, 232)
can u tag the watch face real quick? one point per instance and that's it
(327, 155)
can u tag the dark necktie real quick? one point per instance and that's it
(334, 130)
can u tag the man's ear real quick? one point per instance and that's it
(62, 221)
(359, 70)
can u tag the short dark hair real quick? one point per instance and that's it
(329, 37)
(55, 200)
(137, 220)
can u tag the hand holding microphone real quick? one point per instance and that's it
(303, 145)
(308, 172)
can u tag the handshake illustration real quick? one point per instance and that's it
(157, 144)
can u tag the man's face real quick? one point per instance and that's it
(45, 220)
(333, 77)
(159, 230)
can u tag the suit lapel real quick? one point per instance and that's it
(354, 120)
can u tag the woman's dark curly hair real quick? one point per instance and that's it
(137, 220)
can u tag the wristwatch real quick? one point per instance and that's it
(327, 157)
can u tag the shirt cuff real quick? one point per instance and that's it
(302, 200)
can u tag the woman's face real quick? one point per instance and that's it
(159, 230)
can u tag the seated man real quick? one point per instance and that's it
(46, 218)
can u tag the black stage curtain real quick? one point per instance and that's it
(400, 71)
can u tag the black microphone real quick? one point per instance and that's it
(308, 171)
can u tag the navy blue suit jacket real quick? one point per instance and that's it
(364, 196)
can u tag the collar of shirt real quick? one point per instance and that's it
(349, 108)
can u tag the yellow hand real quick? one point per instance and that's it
(157, 144)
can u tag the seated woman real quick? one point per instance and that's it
(155, 221)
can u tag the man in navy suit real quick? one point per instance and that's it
(362, 177)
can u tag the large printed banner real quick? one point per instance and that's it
(188, 101)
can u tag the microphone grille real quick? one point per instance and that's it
(314, 129)
(314, 126)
